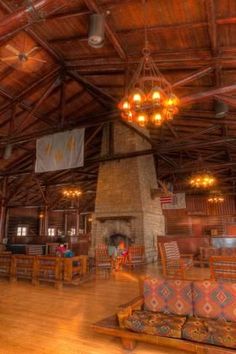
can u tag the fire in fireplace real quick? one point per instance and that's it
(118, 240)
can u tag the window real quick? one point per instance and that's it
(22, 230)
(72, 231)
(51, 231)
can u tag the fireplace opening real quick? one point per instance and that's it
(119, 240)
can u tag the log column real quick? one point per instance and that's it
(46, 220)
(3, 210)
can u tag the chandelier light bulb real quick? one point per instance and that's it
(142, 119)
(157, 118)
(124, 105)
(137, 98)
(156, 95)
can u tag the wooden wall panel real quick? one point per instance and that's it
(200, 218)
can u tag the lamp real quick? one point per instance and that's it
(149, 98)
(96, 30)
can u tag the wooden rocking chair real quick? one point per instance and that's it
(174, 264)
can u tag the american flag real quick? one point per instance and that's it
(166, 199)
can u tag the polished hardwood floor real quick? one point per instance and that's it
(45, 320)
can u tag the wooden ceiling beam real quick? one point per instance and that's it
(30, 89)
(77, 96)
(212, 29)
(111, 35)
(194, 145)
(208, 94)
(25, 125)
(68, 14)
(193, 77)
(26, 15)
(101, 95)
(81, 122)
(43, 43)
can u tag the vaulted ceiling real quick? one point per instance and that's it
(71, 85)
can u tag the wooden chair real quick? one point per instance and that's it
(102, 259)
(24, 267)
(74, 269)
(49, 268)
(223, 268)
(206, 253)
(136, 256)
(173, 263)
(5, 265)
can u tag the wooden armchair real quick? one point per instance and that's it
(102, 259)
(74, 268)
(136, 256)
(49, 268)
(174, 264)
(223, 268)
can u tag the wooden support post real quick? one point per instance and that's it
(65, 223)
(77, 221)
(3, 210)
(41, 223)
(46, 220)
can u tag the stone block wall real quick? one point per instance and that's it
(124, 194)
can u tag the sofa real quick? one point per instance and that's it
(196, 316)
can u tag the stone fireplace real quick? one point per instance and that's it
(123, 200)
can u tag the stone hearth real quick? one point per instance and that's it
(123, 200)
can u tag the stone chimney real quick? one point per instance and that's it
(123, 200)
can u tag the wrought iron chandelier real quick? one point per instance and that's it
(71, 192)
(202, 179)
(216, 197)
(149, 98)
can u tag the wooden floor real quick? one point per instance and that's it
(45, 320)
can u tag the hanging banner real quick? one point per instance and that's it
(60, 151)
(178, 202)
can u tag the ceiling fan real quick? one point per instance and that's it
(21, 57)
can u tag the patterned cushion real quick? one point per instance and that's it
(196, 329)
(223, 333)
(168, 296)
(216, 332)
(155, 323)
(214, 300)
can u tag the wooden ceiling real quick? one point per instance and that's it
(73, 85)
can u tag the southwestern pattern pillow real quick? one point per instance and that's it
(214, 300)
(168, 296)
